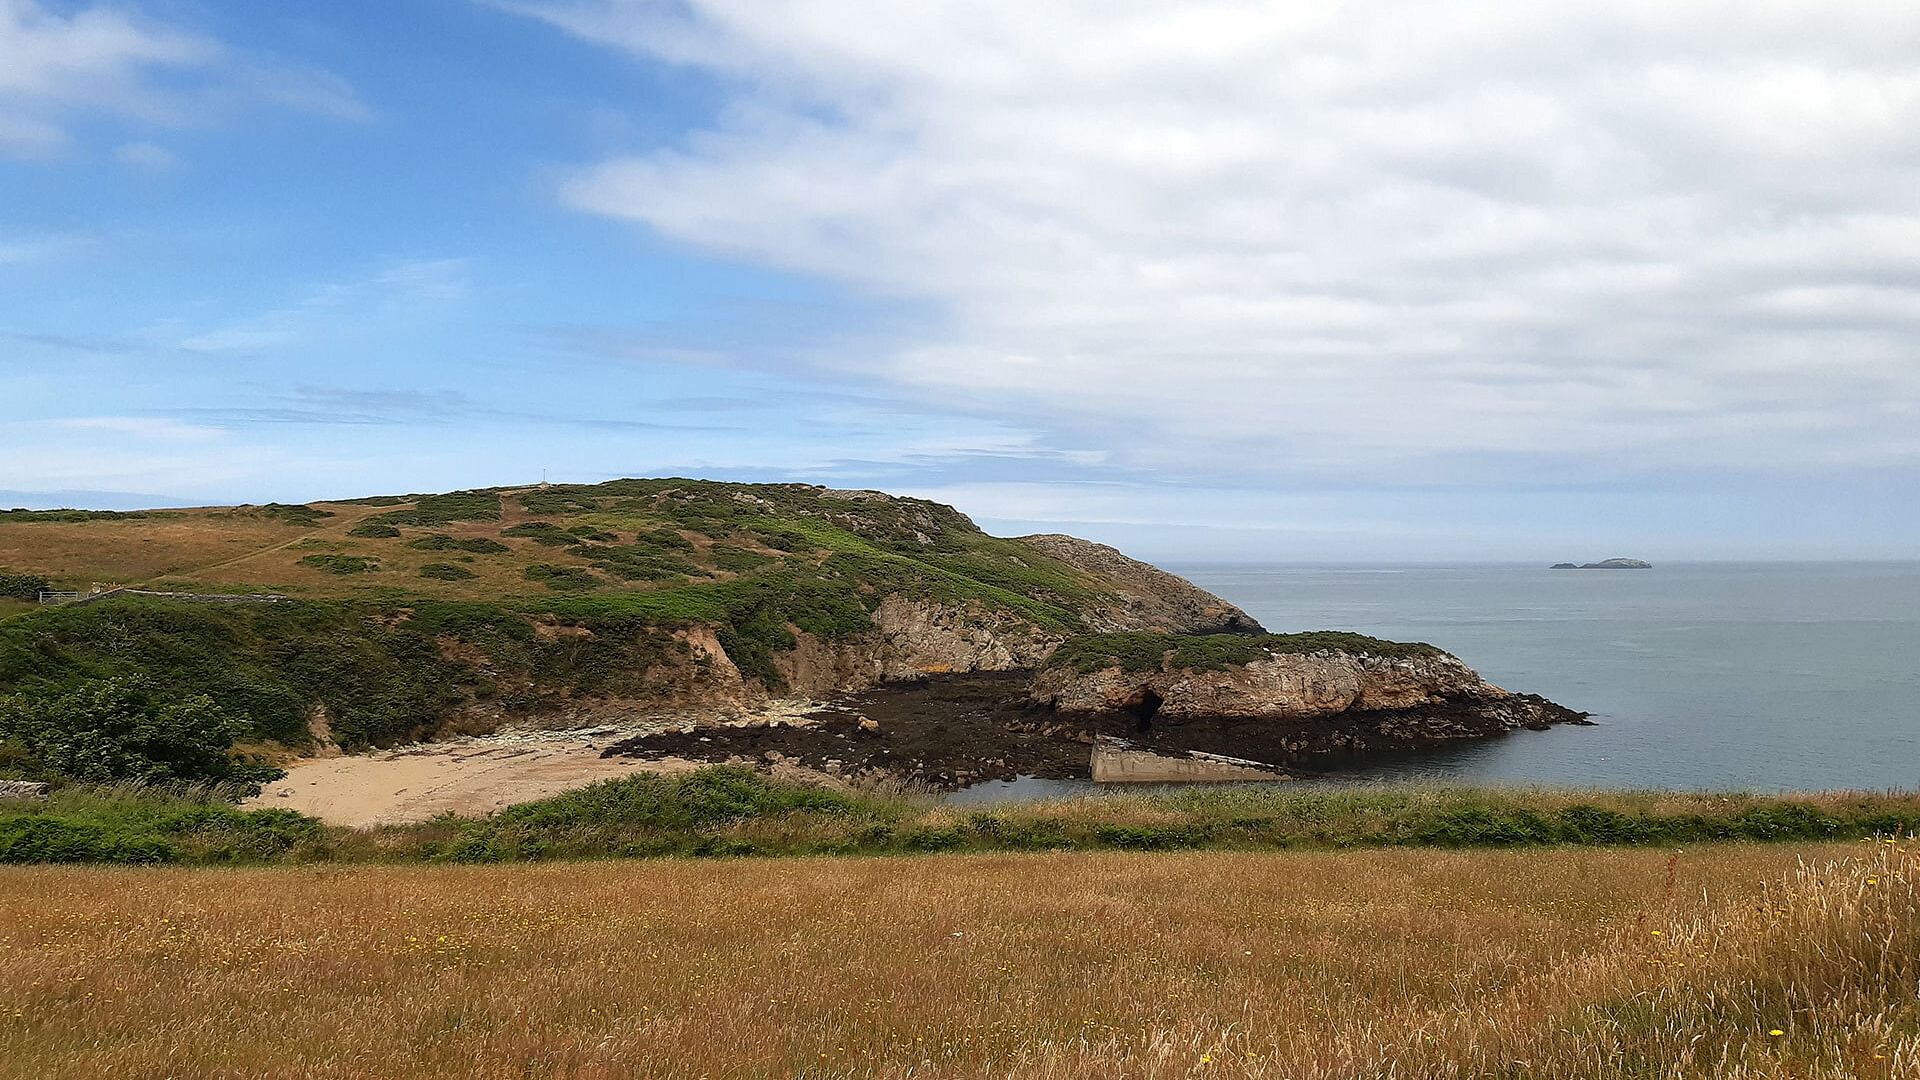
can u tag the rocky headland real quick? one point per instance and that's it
(845, 630)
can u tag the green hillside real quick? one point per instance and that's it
(397, 616)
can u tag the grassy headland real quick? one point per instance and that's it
(399, 612)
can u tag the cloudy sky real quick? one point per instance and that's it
(1372, 280)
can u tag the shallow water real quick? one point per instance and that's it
(1756, 676)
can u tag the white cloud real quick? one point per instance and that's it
(1388, 235)
(106, 58)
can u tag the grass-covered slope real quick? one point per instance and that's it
(396, 612)
(617, 538)
(1152, 651)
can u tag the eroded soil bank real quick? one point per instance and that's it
(949, 731)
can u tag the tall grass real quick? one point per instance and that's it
(1732, 961)
(736, 811)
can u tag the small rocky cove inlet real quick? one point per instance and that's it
(1276, 717)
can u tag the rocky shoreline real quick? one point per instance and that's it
(948, 731)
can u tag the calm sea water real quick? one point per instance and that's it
(1704, 676)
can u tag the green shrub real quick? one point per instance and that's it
(932, 839)
(562, 578)
(342, 564)
(738, 559)
(479, 545)
(147, 824)
(22, 586)
(715, 795)
(446, 572)
(594, 533)
(374, 530)
(46, 839)
(560, 500)
(293, 514)
(542, 532)
(125, 728)
(1484, 826)
(637, 563)
(446, 509)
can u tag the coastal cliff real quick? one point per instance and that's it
(1295, 693)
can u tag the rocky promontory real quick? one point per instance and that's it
(1290, 704)
(1295, 694)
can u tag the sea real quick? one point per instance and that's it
(1699, 676)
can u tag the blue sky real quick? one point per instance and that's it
(1390, 282)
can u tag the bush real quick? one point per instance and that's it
(562, 578)
(446, 572)
(446, 509)
(22, 586)
(129, 824)
(305, 516)
(542, 532)
(738, 559)
(374, 530)
(479, 545)
(123, 728)
(341, 564)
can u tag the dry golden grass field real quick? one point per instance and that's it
(1725, 961)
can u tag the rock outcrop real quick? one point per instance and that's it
(1285, 705)
(913, 638)
(1143, 596)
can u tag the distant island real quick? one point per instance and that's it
(1605, 564)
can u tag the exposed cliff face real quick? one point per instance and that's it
(1287, 705)
(1141, 596)
(1281, 687)
(912, 638)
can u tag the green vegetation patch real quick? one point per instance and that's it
(1143, 651)
(560, 501)
(302, 515)
(636, 562)
(651, 813)
(124, 727)
(739, 560)
(563, 578)
(132, 824)
(445, 509)
(22, 586)
(732, 810)
(542, 532)
(479, 545)
(21, 516)
(446, 572)
(381, 681)
(374, 530)
(341, 564)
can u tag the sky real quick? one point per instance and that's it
(1374, 280)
